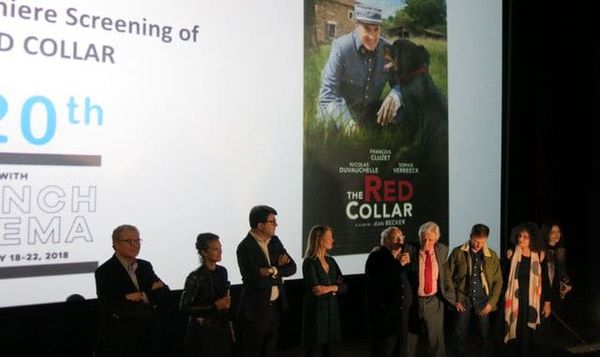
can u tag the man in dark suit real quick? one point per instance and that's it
(263, 263)
(389, 295)
(129, 293)
(427, 277)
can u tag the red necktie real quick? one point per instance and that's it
(428, 270)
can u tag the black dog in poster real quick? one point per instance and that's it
(425, 111)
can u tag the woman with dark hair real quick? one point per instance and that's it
(323, 280)
(556, 257)
(206, 300)
(527, 296)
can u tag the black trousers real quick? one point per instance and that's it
(321, 350)
(208, 341)
(391, 344)
(130, 338)
(259, 337)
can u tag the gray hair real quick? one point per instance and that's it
(116, 234)
(386, 233)
(430, 226)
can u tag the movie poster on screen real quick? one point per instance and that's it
(364, 171)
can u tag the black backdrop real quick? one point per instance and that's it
(550, 171)
(551, 166)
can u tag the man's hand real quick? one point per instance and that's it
(135, 296)
(388, 109)
(157, 285)
(265, 271)
(223, 303)
(283, 260)
(323, 289)
(486, 310)
(460, 307)
(404, 259)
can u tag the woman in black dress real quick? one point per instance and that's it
(323, 280)
(556, 255)
(527, 297)
(205, 299)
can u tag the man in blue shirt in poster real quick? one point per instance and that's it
(355, 75)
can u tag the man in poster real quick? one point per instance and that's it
(355, 76)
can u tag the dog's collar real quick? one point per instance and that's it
(408, 77)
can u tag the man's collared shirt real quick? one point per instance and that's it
(130, 268)
(264, 246)
(476, 291)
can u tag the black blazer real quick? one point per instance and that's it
(113, 283)
(256, 290)
(389, 293)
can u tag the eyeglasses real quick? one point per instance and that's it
(131, 241)
(272, 221)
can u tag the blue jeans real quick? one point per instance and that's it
(461, 328)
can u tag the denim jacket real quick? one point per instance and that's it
(348, 90)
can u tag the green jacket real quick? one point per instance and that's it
(458, 268)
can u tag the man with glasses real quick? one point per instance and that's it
(129, 293)
(263, 263)
(389, 294)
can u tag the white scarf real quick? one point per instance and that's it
(511, 298)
